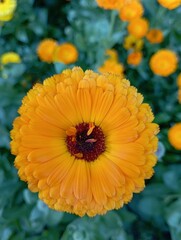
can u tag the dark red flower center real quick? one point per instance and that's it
(85, 141)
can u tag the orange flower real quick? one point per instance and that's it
(110, 4)
(46, 49)
(138, 27)
(164, 62)
(154, 36)
(85, 142)
(134, 58)
(111, 66)
(66, 53)
(131, 10)
(170, 4)
(174, 136)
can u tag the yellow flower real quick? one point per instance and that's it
(155, 36)
(112, 54)
(111, 66)
(174, 136)
(46, 49)
(131, 10)
(138, 27)
(179, 80)
(7, 8)
(134, 58)
(110, 4)
(131, 42)
(65, 53)
(170, 4)
(10, 57)
(164, 62)
(84, 141)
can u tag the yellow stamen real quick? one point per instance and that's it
(79, 155)
(71, 131)
(91, 128)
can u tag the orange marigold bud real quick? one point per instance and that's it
(46, 49)
(154, 36)
(138, 27)
(164, 62)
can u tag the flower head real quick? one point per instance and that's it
(164, 62)
(131, 10)
(132, 42)
(84, 141)
(138, 27)
(110, 4)
(45, 49)
(7, 8)
(170, 4)
(10, 57)
(134, 58)
(174, 136)
(110, 66)
(65, 53)
(155, 36)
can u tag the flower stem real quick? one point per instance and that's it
(112, 24)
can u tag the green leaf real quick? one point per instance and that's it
(104, 227)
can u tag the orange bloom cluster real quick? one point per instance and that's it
(170, 4)
(134, 58)
(174, 136)
(131, 10)
(111, 64)
(110, 4)
(138, 27)
(50, 51)
(164, 62)
(154, 36)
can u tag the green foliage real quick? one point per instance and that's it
(155, 214)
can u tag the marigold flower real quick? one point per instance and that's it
(110, 66)
(112, 54)
(164, 62)
(66, 53)
(155, 36)
(174, 136)
(10, 57)
(134, 58)
(110, 4)
(45, 50)
(170, 4)
(131, 42)
(131, 10)
(138, 27)
(7, 8)
(84, 141)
